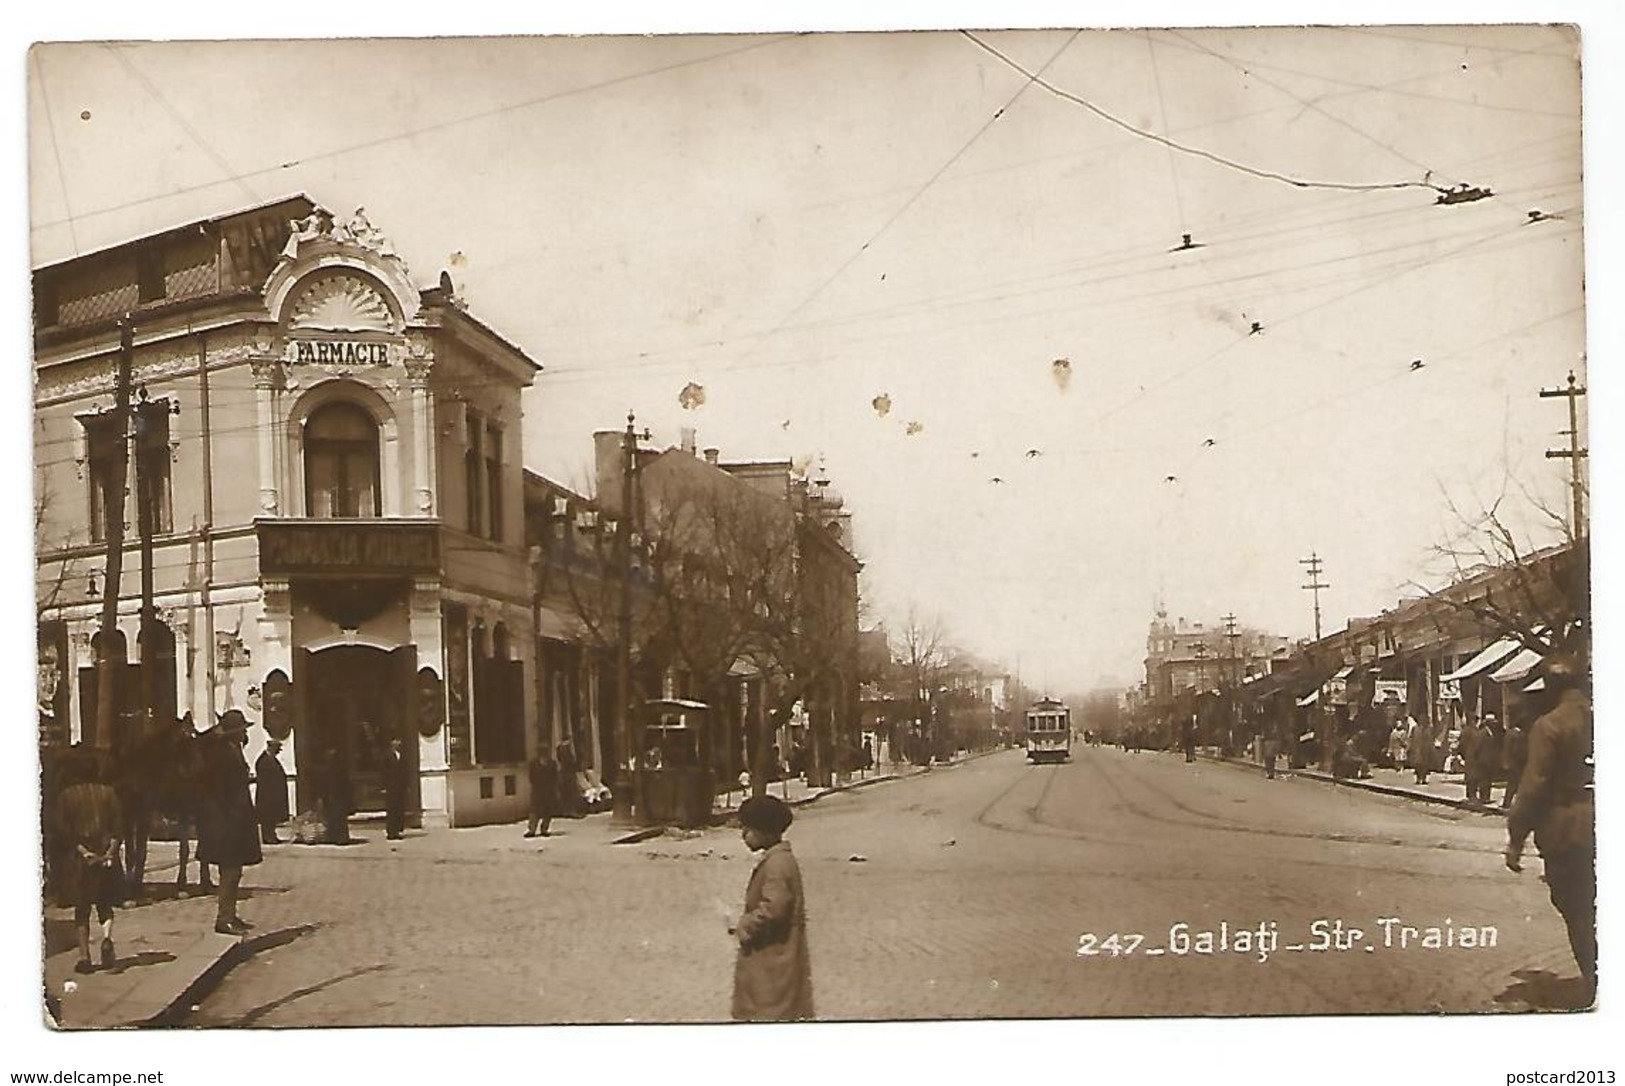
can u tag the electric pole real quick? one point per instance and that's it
(1315, 584)
(114, 485)
(1574, 453)
(623, 800)
(1230, 636)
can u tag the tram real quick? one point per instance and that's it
(1049, 732)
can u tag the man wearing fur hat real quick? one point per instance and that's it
(772, 976)
(1555, 800)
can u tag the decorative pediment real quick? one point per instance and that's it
(323, 225)
(340, 302)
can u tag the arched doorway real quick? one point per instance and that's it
(356, 699)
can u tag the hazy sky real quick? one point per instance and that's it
(804, 224)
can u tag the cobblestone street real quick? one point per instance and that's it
(964, 892)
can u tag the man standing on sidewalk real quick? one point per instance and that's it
(229, 837)
(397, 775)
(1514, 754)
(270, 792)
(1419, 748)
(1481, 757)
(1555, 800)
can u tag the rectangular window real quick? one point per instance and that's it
(152, 446)
(472, 467)
(510, 785)
(493, 482)
(487, 787)
(102, 441)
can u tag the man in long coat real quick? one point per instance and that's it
(397, 775)
(773, 973)
(1556, 802)
(1514, 755)
(1419, 748)
(228, 836)
(1481, 757)
(270, 793)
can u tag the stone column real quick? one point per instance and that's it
(433, 757)
(423, 447)
(267, 374)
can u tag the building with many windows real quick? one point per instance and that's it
(326, 503)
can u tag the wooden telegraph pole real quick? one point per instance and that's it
(1315, 585)
(1574, 453)
(114, 484)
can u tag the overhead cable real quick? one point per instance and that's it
(1228, 163)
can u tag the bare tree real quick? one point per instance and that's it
(921, 651)
(737, 581)
(1528, 584)
(54, 572)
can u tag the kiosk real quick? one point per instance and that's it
(674, 782)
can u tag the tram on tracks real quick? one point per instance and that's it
(1049, 732)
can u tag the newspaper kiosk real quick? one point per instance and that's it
(675, 786)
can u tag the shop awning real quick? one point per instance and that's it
(1518, 667)
(558, 625)
(1310, 698)
(1485, 660)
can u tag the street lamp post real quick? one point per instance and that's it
(622, 809)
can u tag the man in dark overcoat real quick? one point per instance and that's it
(397, 775)
(1556, 802)
(544, 792)
(228, 836)
(568, 802)
(270, 792)
(1514, 755)
(1481, 757)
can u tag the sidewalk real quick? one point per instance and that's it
(169, 956)
(1447, 789)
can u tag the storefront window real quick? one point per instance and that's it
(341, 463)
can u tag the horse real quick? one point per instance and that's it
(162, 773)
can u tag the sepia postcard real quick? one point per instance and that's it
(812, 527)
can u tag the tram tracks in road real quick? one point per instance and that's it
(1034, 823)
(1230, 825)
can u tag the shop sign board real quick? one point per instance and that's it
(316, 547)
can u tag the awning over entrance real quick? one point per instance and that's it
(1485, 660)
(1518, 667)
(1310, 698)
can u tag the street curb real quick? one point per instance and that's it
(722, 819)
(206, 982)
(1365, 786)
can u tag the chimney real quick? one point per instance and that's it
(689, 439)
(711, 456)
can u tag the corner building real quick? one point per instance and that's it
(333, 460)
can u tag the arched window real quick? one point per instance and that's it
(341, 462)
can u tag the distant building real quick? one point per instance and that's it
(1185, 656)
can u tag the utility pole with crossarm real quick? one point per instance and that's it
(1574, 453)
